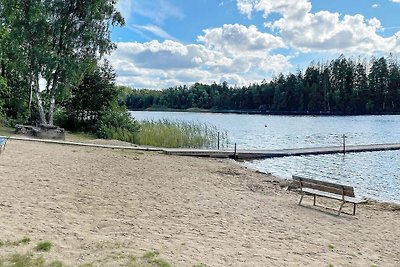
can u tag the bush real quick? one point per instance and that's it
(117, 124)
(61, 117)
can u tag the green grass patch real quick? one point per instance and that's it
(44, 246)
(6, 131)
(150, 255)
(22, 260)
(79, 136)
(9, 243)
(149, 259)
(56, 264)
(24, 241)
(165, 133)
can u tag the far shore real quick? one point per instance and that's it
(260, 112)
(109, 207)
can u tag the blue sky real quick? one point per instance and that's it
(171, 42)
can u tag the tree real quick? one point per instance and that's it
(57, 40)
(97, 92)
(378, 84)
(360, 93)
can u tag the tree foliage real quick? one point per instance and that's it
(96, 92)
(342, 86)
(57, 40)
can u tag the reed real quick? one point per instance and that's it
(166, 133)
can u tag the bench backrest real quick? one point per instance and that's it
(339, 189)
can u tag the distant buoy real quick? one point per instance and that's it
(265, 125)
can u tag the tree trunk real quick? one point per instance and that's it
(53, 97)
(51, 110)
(30, 103)
(39, 101)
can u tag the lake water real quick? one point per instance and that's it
(374, 174)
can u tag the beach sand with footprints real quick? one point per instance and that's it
(103, 207)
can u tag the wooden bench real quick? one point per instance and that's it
(343, 193)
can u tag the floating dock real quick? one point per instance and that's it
(275, 153)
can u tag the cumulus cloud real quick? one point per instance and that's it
(233, 52)
(375, 6)
(320, 31)
(235, 38)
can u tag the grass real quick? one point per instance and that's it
(33, 257)
(22, 260)
(44, 246)
(28, 259)
(149, 259)
(6, 131)
(79, 136)
(8, 243)
(56, 264)
(165, 133)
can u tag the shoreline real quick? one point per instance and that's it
(261, 112)
(102, 206)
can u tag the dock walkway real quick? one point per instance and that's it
(241, 154)
(274, 153)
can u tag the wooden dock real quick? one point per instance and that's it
(275, 153)
(241, 154)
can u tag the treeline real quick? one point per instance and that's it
(342, 86)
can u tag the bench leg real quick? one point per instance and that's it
(301, 198)
(315, 196)
(340, 209)
(354, 209)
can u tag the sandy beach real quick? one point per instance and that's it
(103, 206)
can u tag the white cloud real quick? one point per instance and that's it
(320, 31)
(125, 7)
(155, 30)
(236, 38)
(396, 1)
(375, 6)
(238, 54)
(157, 10)
(246, 6)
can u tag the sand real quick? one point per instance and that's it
(101, 206)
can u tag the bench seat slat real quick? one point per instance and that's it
(333, 196)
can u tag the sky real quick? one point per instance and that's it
(167, 43)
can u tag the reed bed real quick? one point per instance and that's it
(179, 134)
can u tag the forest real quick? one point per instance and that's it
(341, 86)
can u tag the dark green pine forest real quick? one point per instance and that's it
(342, 86)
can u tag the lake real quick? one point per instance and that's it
(374, 174)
